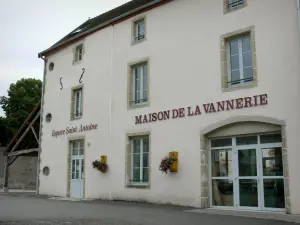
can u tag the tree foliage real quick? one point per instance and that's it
(5, 133)
(21, 98)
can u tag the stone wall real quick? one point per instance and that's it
(22, 173)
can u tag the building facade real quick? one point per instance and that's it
(214, 83)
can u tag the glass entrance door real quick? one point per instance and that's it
(247, 173)
(247, 179)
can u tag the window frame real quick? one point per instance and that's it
(227, 8)
(131, 91)
(74, 107)
(140, 79)
(241, 68)
(225, 59)
(78, 53)
(135, 33)
(141, 167)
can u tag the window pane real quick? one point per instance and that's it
(136, 146)
(145, 145)
(234, 62)
(145, 160)
(234, 50)
(81, 147)
(82, 168)
(270, 138)
(221, 142)
(247, 162)
(248, 74)
(136, 160)
(77, 169)
(73, 166)
(145, 80)
(248, 140)
(221, 162)
(136, 175)
(272, 162)
(248, 192)
(274, 193)
(145, 175)
(246, 44)
(75, 151)
(247, 59)
(235, 77)
(141, 28)
(222, 192)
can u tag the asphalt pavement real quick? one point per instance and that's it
(27, 209)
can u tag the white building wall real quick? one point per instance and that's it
(183, 48)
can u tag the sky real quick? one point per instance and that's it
(30, 26)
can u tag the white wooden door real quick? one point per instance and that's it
(77, 171)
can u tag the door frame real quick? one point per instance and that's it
(69, 164)
(259, 176)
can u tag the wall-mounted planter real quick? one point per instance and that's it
(174, 166)
(101, 165)
(169, 163)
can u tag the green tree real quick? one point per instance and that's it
(5, 133)
(21, 98)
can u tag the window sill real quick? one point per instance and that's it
(138, 185)
(77, 62)
(227, 10)
(135, 42)
(140, 105)
(240, 87)
(76, 118)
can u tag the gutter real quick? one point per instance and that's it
(102, 25)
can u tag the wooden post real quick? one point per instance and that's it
(5, 183)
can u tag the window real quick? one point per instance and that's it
(238, 60)
(78, 54)
(235, 3)
(138, 161)
(76, 111)
(231, 5)
(139, 30)
(139, 84)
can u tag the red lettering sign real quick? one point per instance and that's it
(225, 105)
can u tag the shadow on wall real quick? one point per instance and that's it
(22, 173)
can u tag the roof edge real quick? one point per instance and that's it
(102, 25)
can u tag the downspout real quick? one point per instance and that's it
(41, 126)
(110, 96)
(298, 13)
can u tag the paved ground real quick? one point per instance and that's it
(27, 209)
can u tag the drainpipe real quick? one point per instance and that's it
(110, 96)
(298, 13)
(40, 131)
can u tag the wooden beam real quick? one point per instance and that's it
(24, 134)
(5, 183)
(22, 152)
(12, 160)
(33, 131)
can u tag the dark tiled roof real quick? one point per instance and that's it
(103, 20)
